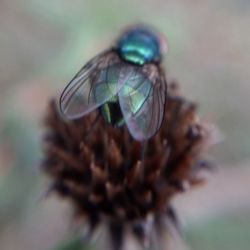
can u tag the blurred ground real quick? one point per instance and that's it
(43, 44)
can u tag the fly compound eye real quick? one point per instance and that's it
(163, 43)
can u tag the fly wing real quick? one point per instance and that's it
(92, 86)
(142, 101)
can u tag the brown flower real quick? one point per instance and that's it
(113, 179)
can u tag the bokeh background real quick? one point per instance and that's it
(44, 43)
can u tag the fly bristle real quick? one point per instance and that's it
(103, 171)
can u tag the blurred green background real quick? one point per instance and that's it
(44, 43)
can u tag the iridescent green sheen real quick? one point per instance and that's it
(137, 92)
(125, 83)
(111, 109)
(134, 57)
(136, 88)
(112, 114)
(139, 46)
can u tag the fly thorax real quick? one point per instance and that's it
(139, 46)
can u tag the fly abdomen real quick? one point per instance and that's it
(112, 113)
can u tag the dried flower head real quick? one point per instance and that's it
(113, 179)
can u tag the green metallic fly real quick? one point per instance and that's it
(126, 83)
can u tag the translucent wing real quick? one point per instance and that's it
(142, 101)
(92, 86)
